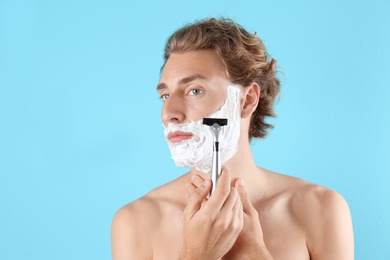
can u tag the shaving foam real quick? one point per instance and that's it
(197, 152)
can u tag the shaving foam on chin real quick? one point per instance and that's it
(197, 151)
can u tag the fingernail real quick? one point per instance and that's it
(206, 183)
(241, 182)
(187, 186)
(193, 177)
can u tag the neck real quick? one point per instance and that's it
(242, 166)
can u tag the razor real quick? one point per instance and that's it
(215, 128)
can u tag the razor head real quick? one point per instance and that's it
(215, 126)
(212, 121)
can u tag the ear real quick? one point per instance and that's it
(250, 96)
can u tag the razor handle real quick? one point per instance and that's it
(215, 167)
(215, 127)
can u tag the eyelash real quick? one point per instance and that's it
(195, 89)
(164, 97)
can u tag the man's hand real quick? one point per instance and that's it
(249, 244)
(210, 227)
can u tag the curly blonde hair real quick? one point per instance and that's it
(243, 55)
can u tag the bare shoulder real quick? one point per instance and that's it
(136, 224)
(324, 216)
(130, 229)
(136, 211)
(315, 199)
(305, 198)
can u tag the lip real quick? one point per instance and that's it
(178, 136)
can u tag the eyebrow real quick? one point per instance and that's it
(183, 81)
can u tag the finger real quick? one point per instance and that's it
(197, 180)
(239, 213)
(231, 213)
(195, 200)
(246, 203)
(237, 207)
(221, 192)
(230, 201)
(189, 189)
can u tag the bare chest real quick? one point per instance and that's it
(282, 236)
(168, 240)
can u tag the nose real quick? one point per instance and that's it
(173, 110)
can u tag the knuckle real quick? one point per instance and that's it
(223, 224)
(237, 224)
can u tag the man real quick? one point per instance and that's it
(215, 68)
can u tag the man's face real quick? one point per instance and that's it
(192, 86)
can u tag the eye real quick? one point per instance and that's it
(195, 92)
(164, 97)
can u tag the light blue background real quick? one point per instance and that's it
(80, 128)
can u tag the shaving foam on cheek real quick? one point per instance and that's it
(197, 151)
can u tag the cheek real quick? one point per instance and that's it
(212, 106)
(200, 111)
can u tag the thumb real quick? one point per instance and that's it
(246, 203)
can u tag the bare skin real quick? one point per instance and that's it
(253, 214)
